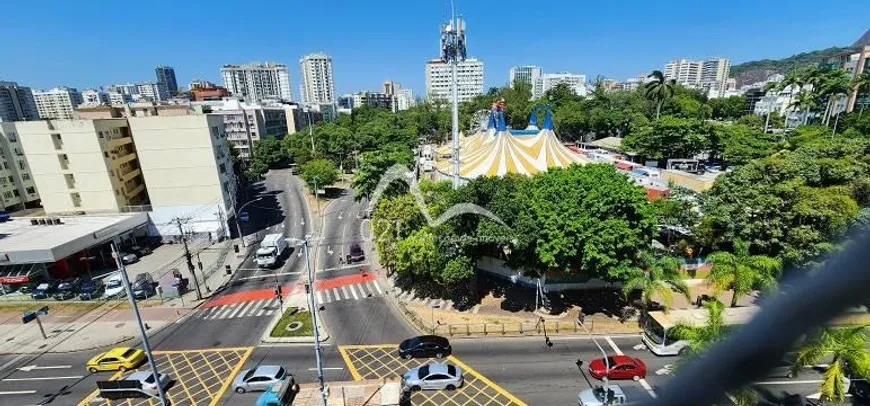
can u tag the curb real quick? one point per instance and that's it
(268, 339)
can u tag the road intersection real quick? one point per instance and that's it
(205, 349)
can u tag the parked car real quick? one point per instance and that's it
(433, 377)
(115, 287)
(143, 287)
(128, 258)
(91, 289)
(784, 368)
(621, 367)
(140, 250)
(425, 347)
(44, 290)
(4, 216)
(258, 378)
(149, 384)
(31, 285)
(116, 359)
(67, 290)
(355, 253)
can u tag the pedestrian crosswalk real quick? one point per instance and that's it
(251, 308)
(357, 291)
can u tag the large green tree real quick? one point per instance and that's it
(670, 137)
(318, 174)
(373, 165)
(728, 108)
(268, 151)
(393, 220)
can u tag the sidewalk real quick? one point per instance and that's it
(75, 326)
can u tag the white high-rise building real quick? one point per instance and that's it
(684, 71)
(404, 100)
(439, 76)
(57, 103)
(714, 76)
(93, 97)
(151, 91)
(256, 82)
(318, 86)
(527, 74)
(548, 81)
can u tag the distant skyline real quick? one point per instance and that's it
(89, 44)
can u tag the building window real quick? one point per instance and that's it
(11, 179)
(7, 195)
(15, 192)
(2, 181)
(31, 190)
(12, 137)
(25, 176)
(106, 154)
(5, 165)
(223, 168)
(57, 137)
(100, 133)
(215, 133)
(21, 165)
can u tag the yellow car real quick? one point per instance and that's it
(118, 359)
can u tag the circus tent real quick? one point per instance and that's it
(498, 151)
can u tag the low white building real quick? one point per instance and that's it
(547, 81)
(93, 97)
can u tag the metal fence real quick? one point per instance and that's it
(512, 329)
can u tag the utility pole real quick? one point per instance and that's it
(178, 221)
(144, 336)
(313, 310)
(311, 131)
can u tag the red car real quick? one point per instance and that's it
(621, 367)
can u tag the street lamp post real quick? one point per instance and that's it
(142, 332)
(312, 305)
(580, 318)
(238, 222)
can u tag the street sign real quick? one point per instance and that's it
(321, 191)
(28, 317)
(43, 311)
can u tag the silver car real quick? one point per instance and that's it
(147, 381)
(433, 377)
(259, 378)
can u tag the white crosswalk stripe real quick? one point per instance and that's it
(251, 308)
(356, 291)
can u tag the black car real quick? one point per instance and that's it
(424, 347)
(31, 285)
(355, 253)
(91, 289)
(140, 250)
(66, 290)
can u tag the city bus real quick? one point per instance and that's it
(659, 339)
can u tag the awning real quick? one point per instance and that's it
(20, 273)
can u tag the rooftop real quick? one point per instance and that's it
(23, 242)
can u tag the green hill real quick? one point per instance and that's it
(756, 71)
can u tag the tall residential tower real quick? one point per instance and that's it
(166, 79)
(318, 86)
(256, 82)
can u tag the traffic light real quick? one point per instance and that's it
(307, 288)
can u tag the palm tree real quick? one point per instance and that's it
(805, 101)
(659, 89)
(660, 278)
(834, 84)
(794, 82)
(862, 86)
(847, 348)
(702, 337)
(742, 272)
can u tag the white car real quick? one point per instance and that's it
(128, 258)
(115, 287)
(147, 381)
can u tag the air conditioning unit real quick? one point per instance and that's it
(42, 221)
(56, 221)
(34, 222)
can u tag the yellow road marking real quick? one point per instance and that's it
(229, 379)
(215, 349)
(370, 346)
(210, 366)
(350, 366)
(180, 382)
(202, 381)
(491, 384)
(85, 401)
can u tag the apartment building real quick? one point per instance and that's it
(166, 79)
(526, 74)
(257, 82)
(83, 165)
(439, 78)
(186, 166)
(93, 97)
(16, 103)
(17, 188)
(57, 103)
(547, 81)
(246, 123)
(684, 71)
(855, 63)
(318, 84)
(373, 99)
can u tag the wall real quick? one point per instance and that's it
(181, 159)
(80, 143)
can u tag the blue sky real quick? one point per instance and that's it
(93, 43)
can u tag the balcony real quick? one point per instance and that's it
(117, 142)
(58, 143)
(118, 159)
(133, 190)
(130, 174)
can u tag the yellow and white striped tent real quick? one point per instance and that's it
(497, 153)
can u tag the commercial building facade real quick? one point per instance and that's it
(16, 103)
(256, 82)
(17, 188)
(57, 103)
(318, 86)
(439, 77)
(526, 74)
